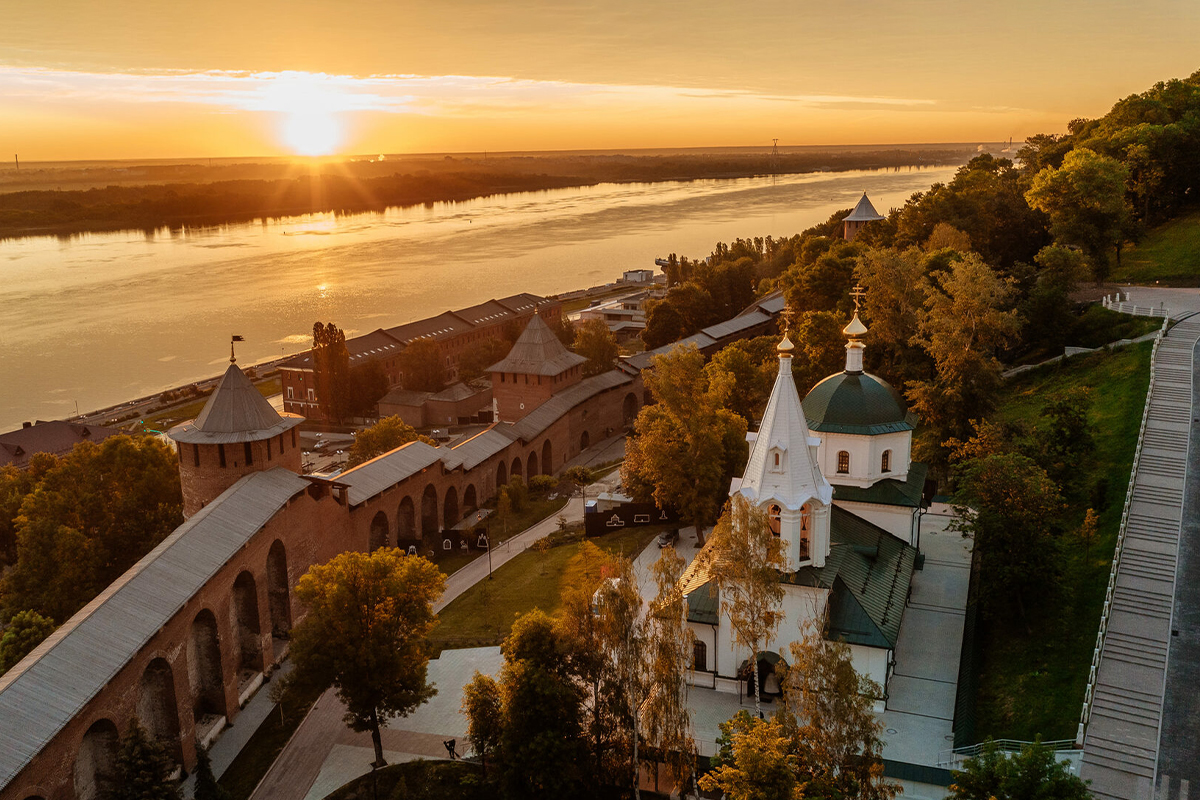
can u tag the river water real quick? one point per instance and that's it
(92, 320)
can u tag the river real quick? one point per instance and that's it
(92, 320)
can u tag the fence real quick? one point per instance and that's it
(1097, 652)
(1115, 303)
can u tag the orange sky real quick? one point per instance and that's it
(142, 78)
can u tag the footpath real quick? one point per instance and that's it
(1125, 703)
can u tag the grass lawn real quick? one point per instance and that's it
(265, 745)
(1170, 254)
(484, 613)
(1034, 684)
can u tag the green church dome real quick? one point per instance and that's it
(856, 402)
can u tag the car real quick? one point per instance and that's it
(667, 538)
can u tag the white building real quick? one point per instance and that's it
(834, 473)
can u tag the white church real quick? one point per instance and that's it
(835, 474)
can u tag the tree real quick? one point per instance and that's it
(828, 712)
(895, 283)
(946, 236)
(1012, 508)
(331, 370)
(1085, 200)
(92, 514)
(820, 348)
(143, 769)
(746, 559)
(482, 707)
(754, 761)
(364, 635)
(1088, 530)
(383, 437)
(748, 367)
(206, 786)
(25, 631)
(687, 445)
(1046, 309)
(15, 485)
(963, 324)
(476, 357)
(669, 655)
(595, 341)
(367, 386)
(1031, 775)
(1068, 436)
(422, 368)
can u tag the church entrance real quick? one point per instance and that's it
(768, 664)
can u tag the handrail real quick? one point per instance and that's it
(959, 754)
(1097, 652)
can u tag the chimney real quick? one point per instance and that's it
(26, 424)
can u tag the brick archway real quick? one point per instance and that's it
(156, 707)
(246, 625)
(547, 457)
(379, 532)
(429, 512)
(204, 667)
(96, 762)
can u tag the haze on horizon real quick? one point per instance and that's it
(142, 79)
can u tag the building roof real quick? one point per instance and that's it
(772, 304)
(538, 352)
(444, 325)
(489, 312)
(385, 471)
(404, 397)
(856, 403)
(889, 492)
(481, 447)
(368, 347)
(524, 302)
(455, 392)
(784, 432)
(46, 689)
(235, 412)
(56, 437)
(863, 212)
(736, 325)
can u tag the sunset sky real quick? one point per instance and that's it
(147, 78)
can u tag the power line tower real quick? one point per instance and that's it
(774, 159)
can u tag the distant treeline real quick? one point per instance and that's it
(357, 187)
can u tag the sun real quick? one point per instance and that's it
(312, 133)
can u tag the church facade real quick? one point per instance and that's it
(834, 474)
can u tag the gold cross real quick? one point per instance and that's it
(858, 293)
(787, 315)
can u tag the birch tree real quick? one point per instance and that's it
(746, 561)
(623, 632)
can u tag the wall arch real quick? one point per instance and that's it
(547, 457)
(584, 441)
(450, 508)
(470, 500)
(501, 476)
(379, 532)
(515, 470)
(204, 667)
(531, 466)
(279, 590)
(246, 626)
(406, 521)
(156, 707)
(429, 511)
(629, 408)
(96, 761)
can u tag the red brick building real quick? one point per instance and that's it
(537, 367)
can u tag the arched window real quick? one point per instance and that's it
(843, 462)
(699, 656)
(773, 514)
(805, 527)
(886, 466)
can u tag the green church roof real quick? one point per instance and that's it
(856, 402)
(888, 492)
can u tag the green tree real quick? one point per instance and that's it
(91, 516)
(1067, 436)
(206, 786)
(422, 368)
(895, 283)
(1046, 310)
(1085, 200)
(483, 708)
(382, 437)
(622, 628)
(595, 341)
(686, 445)
(748, 367)
(365, 634)
(1031, 775)
(474, 360)
(367, 385)
(15, 485)
(143, 769)
(745, 561)
(25, 631)
(331, 370)
(754, 762)
(820, 348)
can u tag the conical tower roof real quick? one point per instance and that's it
(235, 412)
(538, 352)
(784, 431)
(863, 212)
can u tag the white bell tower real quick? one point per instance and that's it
(783, 476)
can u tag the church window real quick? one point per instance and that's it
(311, 395)
(773, 517)
(887, 461)
(700, 656)
(805, 526)
(249, 454)
(843, 467)
(777, 459)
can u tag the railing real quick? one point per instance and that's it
(1125, 307)
(1097, 652)
(950, 758)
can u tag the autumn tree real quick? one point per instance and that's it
(685, 446)
(331, 370)
(476, 357)
(754, 761)
(820, 348)
(595, 341)
(749, 367)
(1033, 774)
(965, 321)
(1089, 529)
(422, 368)
(25, 631)
(15, 485)
(382, 437)
(365, 634)
(746, 560)
(143, 770)
(623, 641)
(828, 713)
(92, 514)
(668, 721)
(483, 707)
(895, 286)
(1085, 200)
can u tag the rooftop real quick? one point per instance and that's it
(858, 403)
(538, 352)
(56, 437)
(235, 412)
(863, 212)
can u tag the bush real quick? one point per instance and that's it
(540, 484)
(518, 494)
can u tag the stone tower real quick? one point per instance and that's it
(863, 213)
(237, 432)
(537, 367)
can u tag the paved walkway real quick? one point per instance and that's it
(1121, 741)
